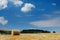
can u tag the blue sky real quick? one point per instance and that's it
(30, 14)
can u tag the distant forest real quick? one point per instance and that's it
(27, 31)
(5, 32)
(35, 31)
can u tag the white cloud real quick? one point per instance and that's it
(3, 21)
(27, 7)
(47, 15)
(42, 9)
(3, 4)
(47, 23)
(54, 4)
(17, 2)
(29, 15)
(18, 16)
(56, 12)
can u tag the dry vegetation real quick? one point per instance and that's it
(46, 36)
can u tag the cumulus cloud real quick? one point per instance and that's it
(3, 21)
(3, 4)
(47, 23)
(17, 2)
(27, 7)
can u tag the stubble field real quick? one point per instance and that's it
(41, 36)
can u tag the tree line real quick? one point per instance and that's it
(5, 32)
(27, 31)
(36, 31)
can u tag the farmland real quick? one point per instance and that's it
(39, 36)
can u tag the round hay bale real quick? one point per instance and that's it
(15, 32)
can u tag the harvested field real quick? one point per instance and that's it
(42, 36)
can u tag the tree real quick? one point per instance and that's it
(54, 32)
